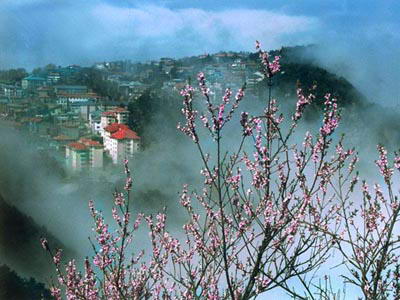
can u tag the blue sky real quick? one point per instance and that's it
(360, 36)
(35, 32)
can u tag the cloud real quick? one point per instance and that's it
(36, 32)
(366, 53)
(86, 32)
(242, 25)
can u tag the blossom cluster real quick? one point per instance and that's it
(271, 67)
(268, 213)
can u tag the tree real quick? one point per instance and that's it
(268, 214)
(50, 67)
(368, 241)
(37, 71)
(13, 75)
(141, 111)
(14, 287)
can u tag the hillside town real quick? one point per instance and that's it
(82, 115)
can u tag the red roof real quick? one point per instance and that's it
(114, 111)
(108, 113)
(119, 109)
(83, 96)
(33, 120)
(114, 127)
(77, 146)
(125, 134)
(90, 143)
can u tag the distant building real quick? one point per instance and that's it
(120, 142)
(68, 74)
(84, 154)
(100, 66)
(71, 89)
(17, 110)
(11, 91)
(4, 106)
(45, 93)
(32, 124)
(67, 99)
(83, 108)
(253, 81)
(118, 115)
(106, 105)
(132, 89)
(53, 77)
(32, 82)
(114, 78)
(95, 121)
(60, 141)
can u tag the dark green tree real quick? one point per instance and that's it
(13, 75)
(141, 111)
(14, 287)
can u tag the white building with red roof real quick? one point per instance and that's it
(84, 153)
(118, 115)
(120, 142)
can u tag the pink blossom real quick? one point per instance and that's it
(44, 243)
(302, 102)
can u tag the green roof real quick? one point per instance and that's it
(33, 77)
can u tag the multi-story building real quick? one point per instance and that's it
(60, 141)
(107, 105)
(118, 115)
(83, 154)
(253, 81)
(32, 82)
(11, 91)
(64, 98)
(71, 89)
(95, 122)
(45, 93)
(53, 77)
(132, 89)
(120, 142)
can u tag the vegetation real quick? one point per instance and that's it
(12, 76)
(270, 213)
(14, 287)
(18, 241)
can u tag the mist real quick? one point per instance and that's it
(33, 33)
(361, 48)
(38, 188)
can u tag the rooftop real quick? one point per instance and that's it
(125, 134)
(34, 77)
(32, 120)
(77, 146)
(114, 127)
(84, 144)
(115, 111)
(83, 95)
(80, 87)
(90, 143)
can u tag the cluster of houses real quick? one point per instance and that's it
(119, 142)
(90, 127)
(73, 114)
(67, 117)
